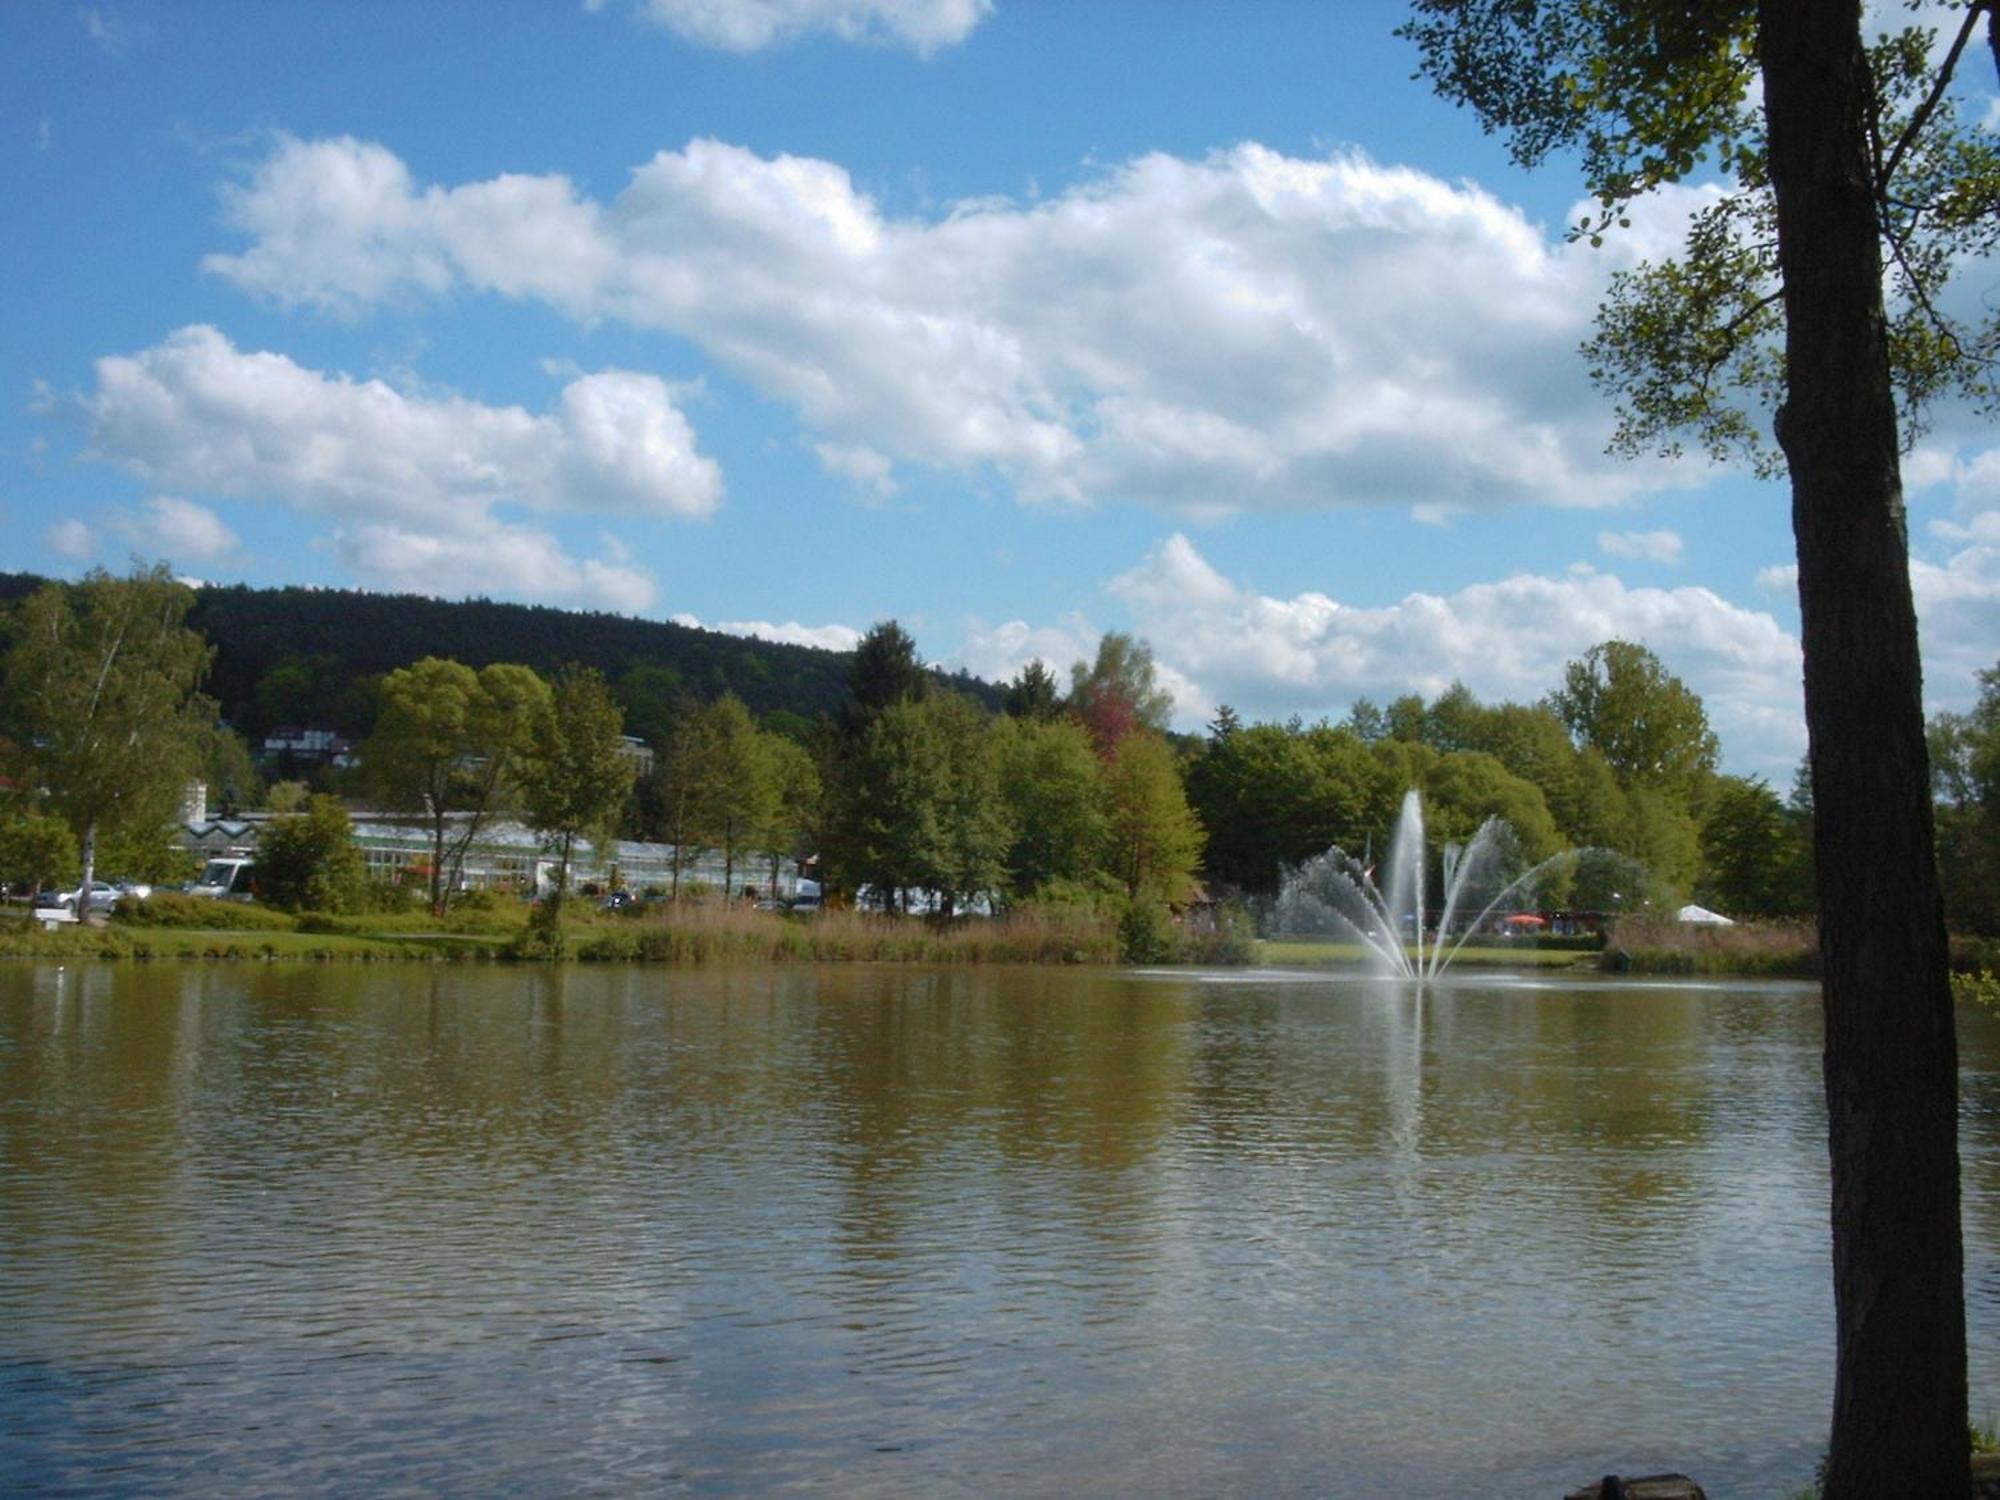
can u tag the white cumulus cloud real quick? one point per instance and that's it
(997, 653)
(1508, 640)
(1958, 608)
(751, 25)
(791, 633)
(500, 559)
(414, 482)
(176, 528)
(196, 413)
(72, 538)
(1247, 330)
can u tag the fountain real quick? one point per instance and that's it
(1337, 890)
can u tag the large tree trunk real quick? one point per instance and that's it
(1899, 1411)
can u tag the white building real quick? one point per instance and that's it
(505, 855)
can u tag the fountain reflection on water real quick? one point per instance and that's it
(1338, 892)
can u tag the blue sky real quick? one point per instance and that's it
(1016, 321)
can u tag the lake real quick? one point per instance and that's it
(495, 1231)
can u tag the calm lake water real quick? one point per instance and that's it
(882, 1232)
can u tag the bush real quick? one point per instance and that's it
(1231, 942)
(309, 861)
(173, 909)
(1146, 933)
(542, 936)
(383, 899)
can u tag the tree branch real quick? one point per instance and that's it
(1924, 111)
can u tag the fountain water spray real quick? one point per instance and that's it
(1387, 916)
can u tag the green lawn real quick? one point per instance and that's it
(25, 940)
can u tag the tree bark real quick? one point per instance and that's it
(1891, 1067)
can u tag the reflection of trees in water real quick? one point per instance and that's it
(1015, 1096)
(880, 1117)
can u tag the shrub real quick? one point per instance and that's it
(173, 909)
(1146, 932)
(380, 897)
(1231, 941)
(309, 861)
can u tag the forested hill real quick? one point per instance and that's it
(321, 643)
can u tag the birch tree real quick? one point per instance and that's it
(101, 688)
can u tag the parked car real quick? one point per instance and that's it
(103, 895)
(620, 901)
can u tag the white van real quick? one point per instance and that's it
(229, 879)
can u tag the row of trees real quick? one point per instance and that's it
(914, 787)
(1619, 758)
(457, 748)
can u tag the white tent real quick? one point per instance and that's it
(1701, 916)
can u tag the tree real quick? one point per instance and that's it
(1033, 693)
(101, 696)
(1155, 841)
(1366, 721)
(1271, 796)
(286, 797)
(575, 776)
(1752, 859)
(1661, 834)
(685, 773)
(886, 671)
(1620, 701)
(1778, 296)
(739, 792)
(231, 776)
(36, 851)
(446, 745)
(302, 690)
(973, 828)
(795, 800)
(1467, 787)
(652, 697)
(1052, 785)
(885, 831)
(1118, 692)
(1405, 719)
(308, 861)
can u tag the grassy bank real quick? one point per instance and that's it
(1313, 954)
(169, 928)
(117, 941)
(1647, 944)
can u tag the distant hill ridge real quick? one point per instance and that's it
(356, 634)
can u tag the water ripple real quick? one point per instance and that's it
(917, 1234)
